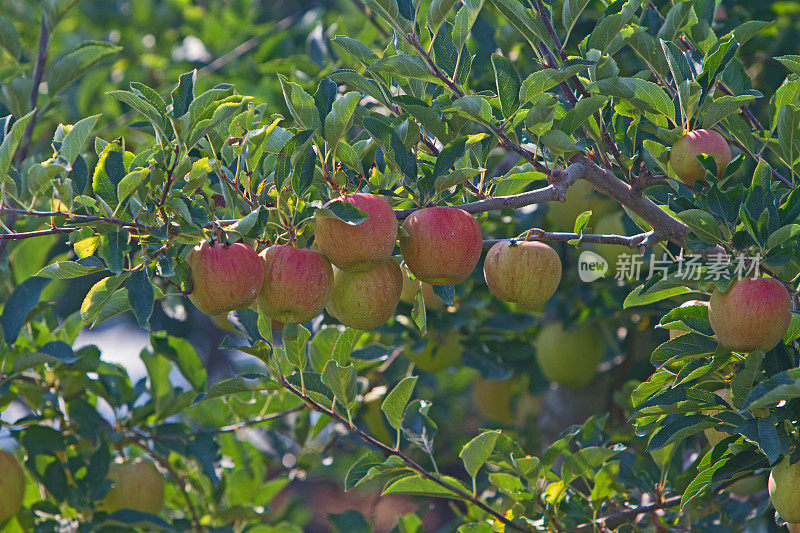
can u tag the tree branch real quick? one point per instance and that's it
(372, 441)
(615, 518)
(71, 217)
(38, 74)
(537, 234)
(32, 234)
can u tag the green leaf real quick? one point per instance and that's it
(464, 21)
(532, 29)
(340, 119)
(70, 67)
(545, 79)
(782, 386)
(783, 234)
(792, 62)
(789, 132)
(640, 92)
(303, 174)
(559, 142)
(24, 298)
(418, 313)
(459, 175)
(183, 94)
(9, 38)
(609, 28)
(140, 297)
(361, 468)
(344, 211)
(114, 247)
(108, 173)
(437, 13)
(74, 140)
(418, 427)
(295, 340)
(678, 18)
(394, 405)
(344, 345)
(131, 182)
(52, 353)
(182, 353)
(473, 106)
(72, 269)
(584, 109)
(680, 428)
(722, 107)
(99, 296)
(703, 225)
(243, 383)
(405, 66)
(10, 142)
(341, 380)
(636, 298)
(570, 12)
(144, 107)
(477, 451)
(355, 48)
(301, 104)
(508, 84)
(419, 486)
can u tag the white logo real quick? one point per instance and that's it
(591, 266)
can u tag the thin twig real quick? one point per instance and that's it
(619, 516)
(372, 441)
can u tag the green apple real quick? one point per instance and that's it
(569, 358)
(138, 485)
(581, 197)
(12, 485)
(409, 294)
(492, 398)
(440, 352)
(784, 490)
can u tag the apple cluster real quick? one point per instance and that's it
(353, 274)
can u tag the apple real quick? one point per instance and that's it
(226, 277)
(752, 315)
(355, 246)
(409, 294)
(793, 528)
(748, 486)
(523, 272)
(581, 197)
(365, 299)
(12, 485)
(683, 156)
(138, 485)
(784, 490)
(492, 398)
(441, 245)
(297, 284)
(440, 352)
(612, 224)
(569, 358)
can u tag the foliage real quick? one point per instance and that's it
(130, 157)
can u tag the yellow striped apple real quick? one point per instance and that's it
(441, 245)
(355, 246)
(523, 272)
(683, 156)
(226, 277)
(784, 490)
(752, 315)
(297, 284)
(365, 299)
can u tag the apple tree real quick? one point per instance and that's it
(533, 263)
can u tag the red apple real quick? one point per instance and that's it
(297, 284)
(523, 272)
(753, 314)
(12, 485)
(442, 245)
(354, 247)
(683, 156)
(226, 277)
(365, 299)
(138, 485)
